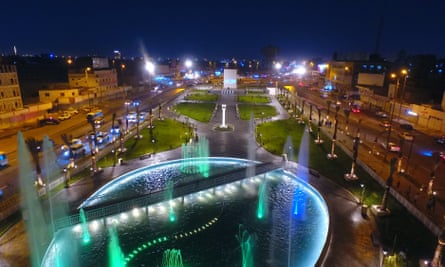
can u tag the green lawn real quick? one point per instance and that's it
(202, 96)
(253, 99)
(400, 230)
(198, 111)
(167, 134)
(259, 111)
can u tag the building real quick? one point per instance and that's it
(10, 96)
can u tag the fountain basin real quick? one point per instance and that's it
(206, 223)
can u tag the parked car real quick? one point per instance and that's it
(385, 124)
(381, 114)
(102, 138)
(49, 121)
(406, 126)
(64, 116)
(440, 140)
(407, 136)
(393, 147)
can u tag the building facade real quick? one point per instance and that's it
(10, 95)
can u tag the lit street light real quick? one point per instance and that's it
(150, 67)
(127, 104)
(332, 155)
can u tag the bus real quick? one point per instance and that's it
(3, 159)
(97, 115)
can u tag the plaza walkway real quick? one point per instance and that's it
(349, 241)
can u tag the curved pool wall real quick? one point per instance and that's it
(292, 234)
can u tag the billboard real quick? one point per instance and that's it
(371, 79)
(230, 78)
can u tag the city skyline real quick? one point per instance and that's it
(229, 29)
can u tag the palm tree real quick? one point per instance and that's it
(347, 112)
(93, 150)
(66, 138)
(328, 102)
(33, 147)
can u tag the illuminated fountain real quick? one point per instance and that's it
(262, 200)
(210, 216)
(32, 212)
(247, 243)
(172, 258)
(194, 155)
(86, 238)
(115, 254)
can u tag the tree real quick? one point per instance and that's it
(328, 102)
(34, 148)
(347, 113)
(93, 150)
(66, 138)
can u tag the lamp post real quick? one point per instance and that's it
(86, 82)
(150, 67)
(332, 155)
(402, 95)
(137, 103)
(319, 140)
(277, 68)
(127, 104)
(362, 193)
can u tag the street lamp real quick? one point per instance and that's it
(362, 193)
(402, 95)
(127, 104)
(86, 82)
(319, 140)
(278, 68)
(332, 155)
(150, 67)
(137, 103)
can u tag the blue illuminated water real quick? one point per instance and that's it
(206, 222)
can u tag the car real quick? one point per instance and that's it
(385, 124)
(64, 116)
(406, 126)
(407, 136)
(49, 121)
(102, 138)
(440, 140)
(355, 109)
(72, 111)
(381, 114)
(393, 147)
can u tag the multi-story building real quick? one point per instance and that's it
(10, 96)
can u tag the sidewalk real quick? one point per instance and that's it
(347, 246)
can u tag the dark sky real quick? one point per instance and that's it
(222, 29)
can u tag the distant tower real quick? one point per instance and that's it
(378, 40)
(15, 51)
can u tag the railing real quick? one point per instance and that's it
(112, 208)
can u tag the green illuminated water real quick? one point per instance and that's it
(247, 243)
(195, 157)
(32, 212)
(172, 258)
(115, 254)
(262, 201)
(168, 197)
(86, 238)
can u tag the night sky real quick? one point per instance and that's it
(222, 29)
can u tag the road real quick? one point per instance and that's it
(417, 160)
(78, 127)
